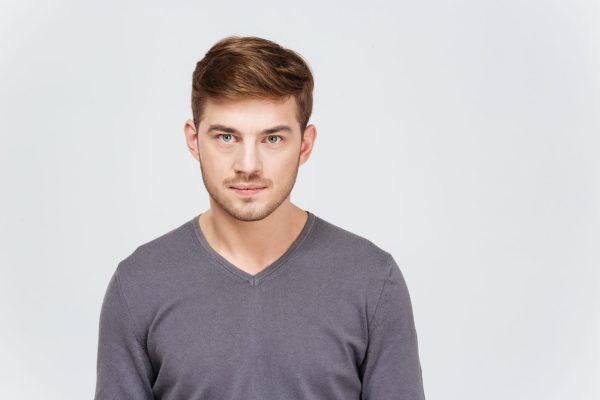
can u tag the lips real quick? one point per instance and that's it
(246, 191)
(240, 187)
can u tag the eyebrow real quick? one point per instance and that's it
(223, 128)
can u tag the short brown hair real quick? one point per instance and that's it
(251, 67)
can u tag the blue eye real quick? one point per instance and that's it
(224, 134)
(276, 136)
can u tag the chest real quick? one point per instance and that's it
(265, 340)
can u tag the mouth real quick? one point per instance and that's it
(247, 190)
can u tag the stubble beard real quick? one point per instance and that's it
(249, 209)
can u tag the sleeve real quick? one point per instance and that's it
(391, 368)
(123, 369)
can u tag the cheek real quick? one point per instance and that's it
(283, 170)
(213, 160)
(213, 169)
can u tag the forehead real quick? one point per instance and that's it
(250, 113)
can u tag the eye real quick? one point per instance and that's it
(274, 136)
(225, 135)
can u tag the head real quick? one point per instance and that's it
(251, 103)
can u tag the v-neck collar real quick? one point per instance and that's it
(253, 280)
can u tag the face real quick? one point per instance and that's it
(250, 142)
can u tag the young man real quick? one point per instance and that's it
(256, 298)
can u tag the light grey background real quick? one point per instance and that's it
(463, 137)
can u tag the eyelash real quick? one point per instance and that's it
(221, 134)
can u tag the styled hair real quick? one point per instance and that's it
(237, 68)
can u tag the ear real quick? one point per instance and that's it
(191, 138)
(308, 142)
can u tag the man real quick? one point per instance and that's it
(256, 298)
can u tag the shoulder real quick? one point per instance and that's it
(363, 267)
(157, 257)
(355, 253)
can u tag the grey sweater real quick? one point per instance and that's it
(330, 319)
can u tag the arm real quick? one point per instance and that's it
(391, 368)
(123, 367)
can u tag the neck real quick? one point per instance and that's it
(253, 243)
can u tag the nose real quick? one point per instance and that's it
(247, 160)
